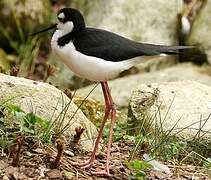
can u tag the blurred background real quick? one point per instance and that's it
(183, 22)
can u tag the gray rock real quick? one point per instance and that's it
(122, 88)
(183, 106)
(201, 30)
(47, 102)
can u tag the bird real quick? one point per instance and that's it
(99, 55)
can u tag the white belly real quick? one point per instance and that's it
(89, 67)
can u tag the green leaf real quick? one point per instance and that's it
(25, 129)
(138, 165)
(140, 175)
(14, 108)
(129, 138)
(30, 118)
(1, 120)
(69, 175)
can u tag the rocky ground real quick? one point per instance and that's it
(29, 157)
(36, 163)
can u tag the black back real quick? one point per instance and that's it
(106, 45)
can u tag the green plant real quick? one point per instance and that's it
(119, 131)
(207, 163)
(62, 128)
(25, 46)
(138, 168)
(15, 121)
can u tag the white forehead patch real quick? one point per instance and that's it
(61, 15)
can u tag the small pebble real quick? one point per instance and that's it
(69, 153)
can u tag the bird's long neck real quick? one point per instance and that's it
(58, 39)
(66, 36)
(65, 39)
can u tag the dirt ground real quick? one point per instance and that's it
(36, 162)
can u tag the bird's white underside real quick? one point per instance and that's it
(89, 67)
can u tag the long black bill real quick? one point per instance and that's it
(49, 28)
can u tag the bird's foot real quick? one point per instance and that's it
(84, 165)
(87, 165)
(104, 173)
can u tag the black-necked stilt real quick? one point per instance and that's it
(98, 55)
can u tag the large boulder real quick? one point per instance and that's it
(201, 30)
(182, 108)
(122, 88)
(47, 102)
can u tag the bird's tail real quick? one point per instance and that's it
(174, 49)
(151, 49)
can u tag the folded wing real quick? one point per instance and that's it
(112, 47)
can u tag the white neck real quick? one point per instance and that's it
(65, 27)
(56, 35)
(62, 30)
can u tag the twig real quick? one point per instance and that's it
(15, 151)
(68, 92)
(50, 72)
(14, 71)
(60, 149)
(78, 132)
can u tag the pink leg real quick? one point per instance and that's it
(113, 116)
(90, 162)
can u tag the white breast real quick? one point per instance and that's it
(89, 67)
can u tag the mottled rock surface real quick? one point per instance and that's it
(183, 106)
(47, 102)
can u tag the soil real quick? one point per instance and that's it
(36, 162)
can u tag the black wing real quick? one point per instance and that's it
(112, 47)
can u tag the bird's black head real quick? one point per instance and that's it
(70, 20)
